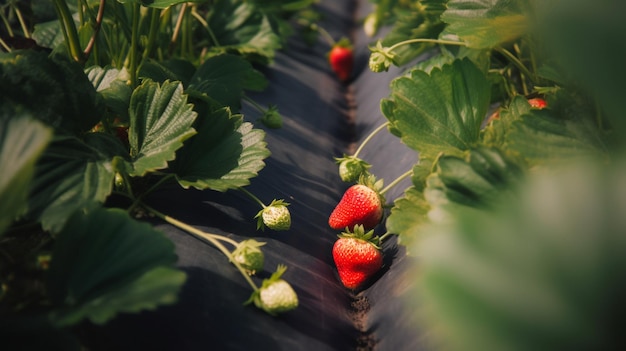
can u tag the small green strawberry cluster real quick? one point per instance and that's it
(275, 294)
(357, 253)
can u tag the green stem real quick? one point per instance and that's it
(523, 69)
(253, 197)
(96, 30)
(179, 23)
(151, 189)
(366, 140)
(69, 30)
(255, 104)
(385, 236)
(154, 29)
(211, 238)
(396, 181)
(18, 13)
(7, 25)
(205, 25)
(425, 40)
(134, 43)
(4, 45)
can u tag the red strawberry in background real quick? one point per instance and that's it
(357, 257)
(341, 59)
(362, 204)
(538, 103)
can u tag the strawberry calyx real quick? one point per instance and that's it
(370, 181)
(381, 58)
(359, 233)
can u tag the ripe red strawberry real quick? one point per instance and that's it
(538, 103)
(362, 204)
(341, 59)
(357, 256)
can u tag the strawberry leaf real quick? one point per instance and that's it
(485, 24)
(160, 120)
(441, 111)
(223, 78)
(104, 263)
(541, 137)
(66, 99)
(224, 155)
(407, 216)
(110, 84)
(22, 141)
(70, 175)
(241, 26)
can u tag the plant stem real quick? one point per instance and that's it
(154, 27)
(4, 45)
(253, 197)
(396, 181)
(179, 23)
(366, 140)
(523, 69)
(211, 238)
(69, 30)
(205, 25)
(7, 25)
(254, 103)
(385, 236)
(96, 30)
(18, 13)
(425, 40)
(134, 43)
(151, 189)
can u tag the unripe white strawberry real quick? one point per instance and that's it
(249, 256)
(275, 295)
(275, 216)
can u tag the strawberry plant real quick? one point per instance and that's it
(131, 97)
(508, 94)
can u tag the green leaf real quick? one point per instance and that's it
(408, 214)
(241, 26)
(441, 111)
(22, 141)
(104, 263)
(70, 175)
(223, 78)
(476, 181)
(160, 120)
(411, 24)
(110, 84)
(541, 137)
(485, 24)
(173, 69)
(224, 155)
(543, 270)
(65, 98)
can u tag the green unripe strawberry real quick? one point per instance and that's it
(271, 118)
(351, 168)
(275, 216)
(275, 295)
(249, 256)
